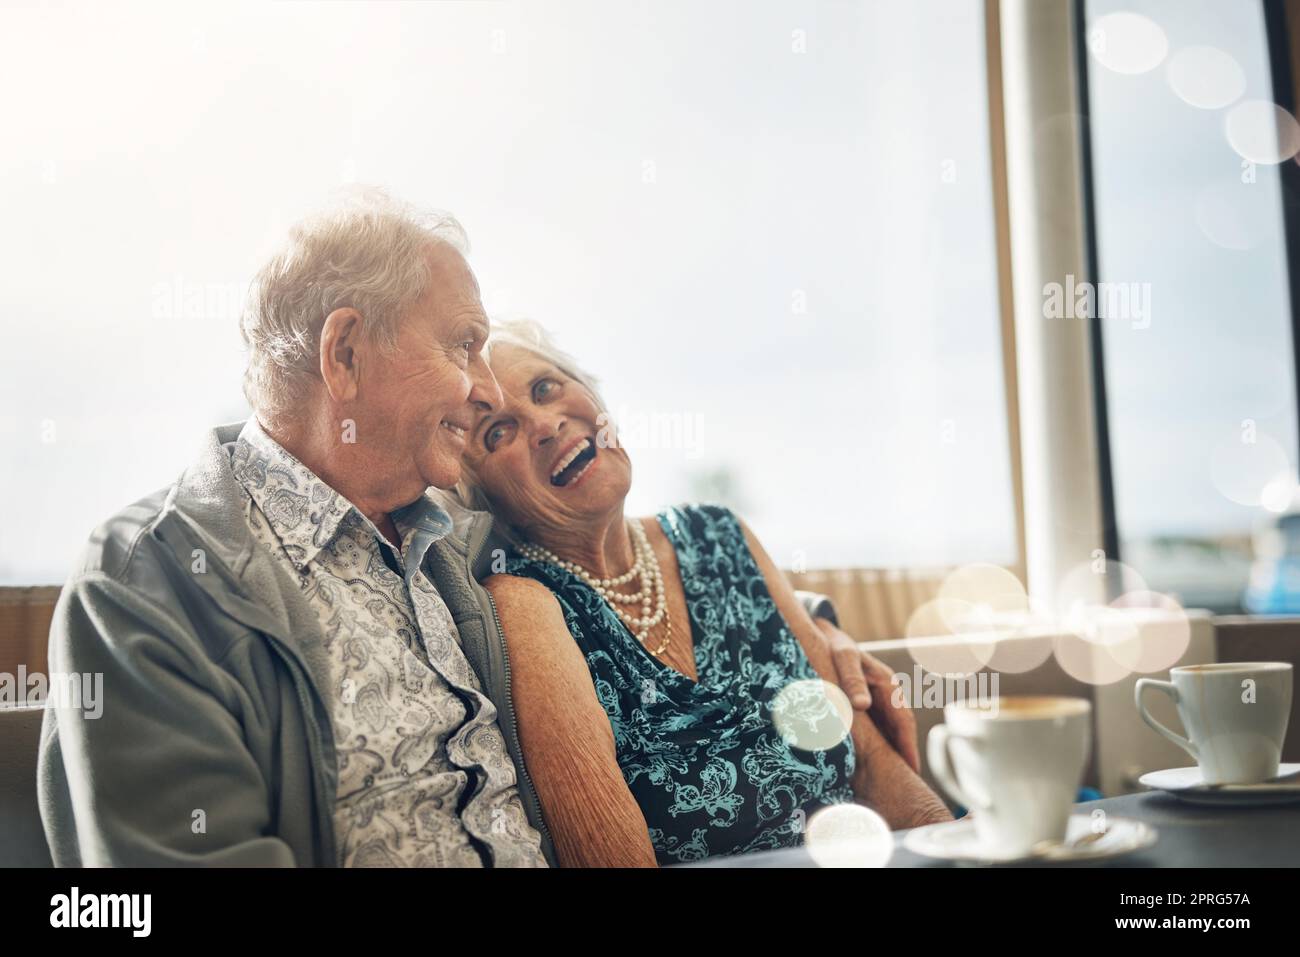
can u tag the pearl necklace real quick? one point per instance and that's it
(645, 567)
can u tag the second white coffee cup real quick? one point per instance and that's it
(1235, 714)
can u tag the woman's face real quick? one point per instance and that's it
(546, 458)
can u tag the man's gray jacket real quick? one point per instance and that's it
(214, 745)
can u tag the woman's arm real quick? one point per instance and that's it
(882, 778)
(565, 735)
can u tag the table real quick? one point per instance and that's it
(1189, 836)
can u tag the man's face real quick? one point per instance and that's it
(419, 403)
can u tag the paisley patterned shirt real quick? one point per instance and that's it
(424, 777)
(736, 761)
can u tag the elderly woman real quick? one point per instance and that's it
(653, 657)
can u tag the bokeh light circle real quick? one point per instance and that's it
(1262, 132)
(996, 592)
(1029, 644)
(1243, 471)
(1205, 77)
(1092, 638)
(848, 835)
(1095, 583)
(812, 715)
(944, 637)
(1093, 642)
(1164, 632)
(1127, 42)
(1280, 495)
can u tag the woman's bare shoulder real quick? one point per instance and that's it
(518, 588)
(530, 613)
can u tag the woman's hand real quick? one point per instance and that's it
(868, 682)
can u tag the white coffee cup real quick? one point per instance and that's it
(1235, 715)
(1016, 764)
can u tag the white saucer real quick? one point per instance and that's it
(1186, 784)
(957, 841)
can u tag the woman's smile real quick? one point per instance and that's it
(574, 464)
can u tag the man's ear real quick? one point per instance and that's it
(340, 359)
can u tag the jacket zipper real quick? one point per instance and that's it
(514, 718)
(323, 799)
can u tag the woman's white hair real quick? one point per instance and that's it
(532, 337)
(367, 251)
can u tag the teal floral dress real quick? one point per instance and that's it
(708, 765)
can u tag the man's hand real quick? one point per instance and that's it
(868, 682)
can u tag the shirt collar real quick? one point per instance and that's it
(420, 524)
(306, 514)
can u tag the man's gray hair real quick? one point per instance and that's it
(532, 337)
(367, 251)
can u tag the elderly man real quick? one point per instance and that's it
(299, 666)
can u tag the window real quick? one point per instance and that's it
(1188, 213)
(767, 228)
